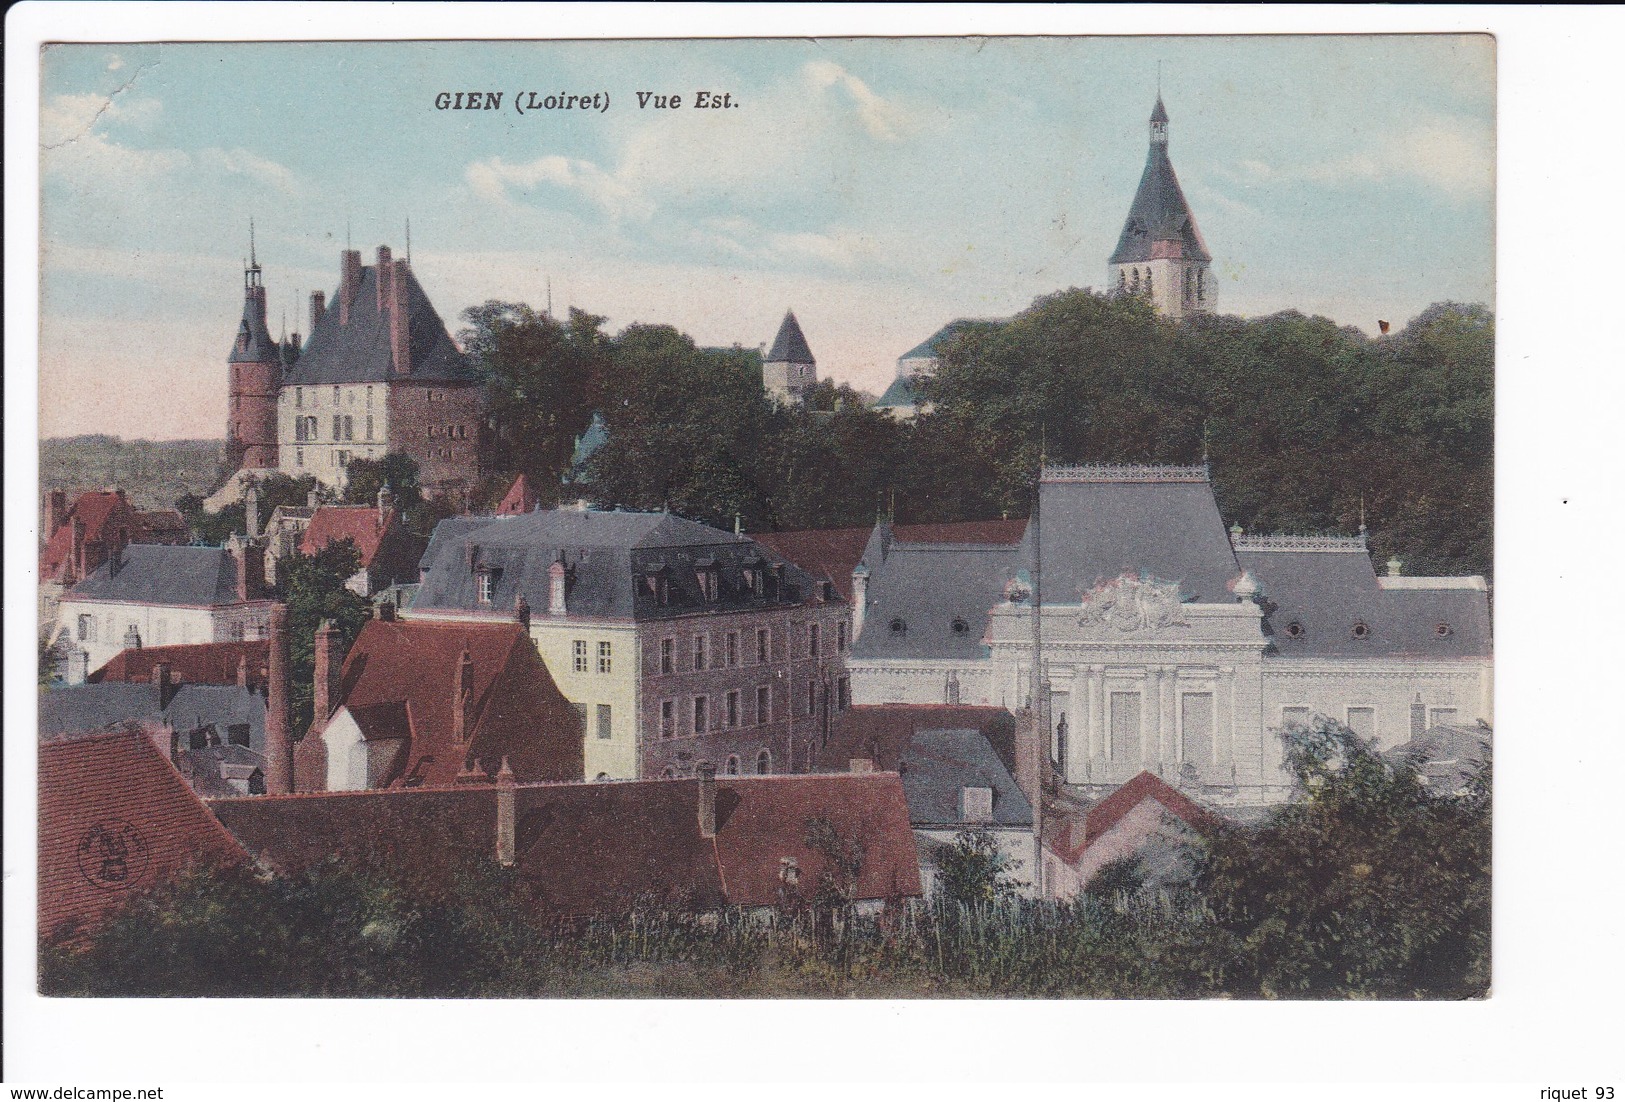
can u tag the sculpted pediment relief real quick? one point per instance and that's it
(1131, 603)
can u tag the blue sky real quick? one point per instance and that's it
(879, 187)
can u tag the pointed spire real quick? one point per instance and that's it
(790, 346)
(1159, 220)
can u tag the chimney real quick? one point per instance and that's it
(708, 799)
(242, 671)
(278, 721)
(860, 598)
(313, 500)
(860, 765)
(250, 562)
(164, 684)
(555, 586)
(385, 611)
(521, 611)
(462, 697)
(132, 638)
(251, 510)
(386, 502)
(78, 666)
(506, 782)
(318, 309)
(326, 688)
(385, 273)
(400, 319)
(349, 282)
(1395, 566)
(56, 511)
(76, 550)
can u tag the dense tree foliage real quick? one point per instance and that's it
(275, 490)
(313, 587)
(973, 870)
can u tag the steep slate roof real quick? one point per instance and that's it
(258, 347)
(882, 732)
(584, 849)
(400, 681)
(938, 764)
(790, 346)
(928, 348)
(115, 816)
(900, 393)
(194, 663)
(71, 709)
(1114, 520)
(357, 523)
(153, 574)
(605, 552)
(929, 588)
(1326, 593)
(1159, 224)
(832, 553)
(359, 351)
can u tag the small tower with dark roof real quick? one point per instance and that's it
(789, 369)
(255, 364)
(1160, 254)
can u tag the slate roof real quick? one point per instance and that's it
(193, 663)
(938, 595)
(358, 352)
(928, 348)
(1449, 755)
(584, 849)
(606, 553)
(900, 393)
(1096, 530)
(152, 574)
(115, 817)
(252, 343)
(832, 553)
(882, 732)
(1315, 599)
(790, 346)
(938, 764)
(103, 512)
(70, 710)
(1159, 224)
(399, 683)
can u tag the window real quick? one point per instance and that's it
(299, 457)
(764, 763)
(699, 715)
(335, 396)
(486, 582)
(369, 397)
(605, 661)
(733, 708)
(707, 577)
(1360, 630)
(1294, 716)
(604, 715)
(812, 640)
(1441, 630)
(369, 426)
(812, 697)
(237, 734)
(733, 648)
(699, 652)
(298, 397)
(975, 804)
(1294, 630)
(1196, 727)
(579, 652)
(1363, 721)
(341, 457)
(843, 693)
(198, 739)
(840, 637)
(761, 645)
(349, 427)
(338, 427)
(668, 718)
(668, 655)
(732, 768)
(87, 628)
(898, 626)
(1148, 283)
(299, 429)
(668, 773)
(960, 627)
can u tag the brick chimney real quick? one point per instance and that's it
(384, 274)
(400, 319)
(318, 309)
(462, 696)
(56, 511)
(708, 799)
(326, 687)
(76, 550)
(555, 586)
(250, 562)
(164, 683)
(349, 282)
(506, 782)
(278, 721)
(521, 611)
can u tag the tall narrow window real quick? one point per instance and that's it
(699, 715)
(733, 708)
(764, 704)
(843, 697)
(812, 640)
(369, 426)
(761, 646)
(369, 397)
(668, 718)
(604, 721)
(733, 648)
(605, 662)
(840, 637)
(1125, 727)
(1196, 727)
(298, 397)
(668, 653)
(579, 653)
(764, 763)
(338, 427)
(486, 588)
(699, 652)
(812, 697)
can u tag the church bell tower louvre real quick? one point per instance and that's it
(255, 367)
(1161, 254)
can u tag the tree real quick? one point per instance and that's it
(973, 871)
(396, 470)
(542, 380)
(1367, 885)
(314, 588)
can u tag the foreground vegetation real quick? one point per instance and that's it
(1367, 887)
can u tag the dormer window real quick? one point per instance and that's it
(975, 804)
(485, 583)
(706, 575)
(658, 586)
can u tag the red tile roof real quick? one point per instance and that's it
(882, 732)
(1070, 843)
(519, 499)
(114, 817)
(102, 511)
(192, 663)
(400, 680)
(358, 523)
(584, 849)
(832, 553)
(161, 526)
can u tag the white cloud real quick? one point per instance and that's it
(1445, 153)
(495, 180)
(240, 162)
(882, 119)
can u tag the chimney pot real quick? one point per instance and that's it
(326, 689)
(708, 799)
(385, 611)
(1395, 566)
(164, 683)
(278, 721)
(318, 309)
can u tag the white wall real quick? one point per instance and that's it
(346, 753)
(319, 456)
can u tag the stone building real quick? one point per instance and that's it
(680, 644)
(788, 368)
(1168, 644)
(1160, 253)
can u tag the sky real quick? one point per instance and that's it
(878, 187)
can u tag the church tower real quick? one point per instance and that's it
(789, 368)
(255, 364)
(1161, 254)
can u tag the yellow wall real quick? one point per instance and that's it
(618, 755)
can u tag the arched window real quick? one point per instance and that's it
(732, 768)
(1122, 280)
(1135, 286)
(764, 763)
(1148, 283)
(602, 777)
(1201, 284)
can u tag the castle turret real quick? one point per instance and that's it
(255, 367)
(789, 369)
(1160, 254)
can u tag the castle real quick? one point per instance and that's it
(1160, 253)
(379, 373)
